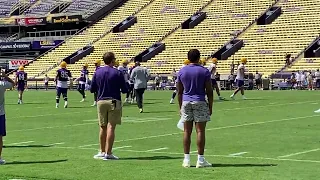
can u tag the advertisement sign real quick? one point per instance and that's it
(67, 19)
(16, 63)
(31, 21)
(15, 46)
(45, 44)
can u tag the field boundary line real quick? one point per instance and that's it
(18, 143)
(158, 149)
(210, 129)
(238, 154)
(207, 155)
(298, 153)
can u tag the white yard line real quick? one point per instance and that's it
(159, 149)
(53, 144)
(121, 147)
(298, 153)
(192, 152)
(43, 115)
(19, 143)
(238, 154)
(134, 120)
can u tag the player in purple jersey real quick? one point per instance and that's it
(21, 81)
(82, 81)
(61, 79)
(97, 64)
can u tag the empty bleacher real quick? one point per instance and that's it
(86, 37)
(224, 18)
(305, 64)
(267, 45)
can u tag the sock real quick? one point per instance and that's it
(174, 95)
(66, 103)
(57, 104)
(200, 158)
(187, 157)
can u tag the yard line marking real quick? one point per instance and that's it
(238, 154)
(218, 128)
(172, 153)
(121, 147)
(136, 121)
(53, 144)
(298, 153)
(196, 151)
(18, 143)
(159, 149)
(314, 103)
(42, 115)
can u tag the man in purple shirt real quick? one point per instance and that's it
(21, 81)
(108, 82)
(193, 84)
(82, 81)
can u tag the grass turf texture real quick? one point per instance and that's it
(268, 125)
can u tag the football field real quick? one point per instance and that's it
(274, 135)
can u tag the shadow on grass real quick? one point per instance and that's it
(244, 165)
(36, 162)
(150, 158)
(27, 146)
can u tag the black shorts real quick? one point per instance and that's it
(46, 83)
(157, 83)
(258, 81)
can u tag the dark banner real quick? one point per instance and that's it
(67, 19)
(15, 46)
(45, 44)
(31, 21)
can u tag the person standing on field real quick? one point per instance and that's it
(140, 76)
(5, 83)
(108, 82)
(193, 84)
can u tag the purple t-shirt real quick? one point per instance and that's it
(107, 83)
(22, 78)
(193, 78)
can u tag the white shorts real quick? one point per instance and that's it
(197, 111)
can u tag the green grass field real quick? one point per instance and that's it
(273, 136)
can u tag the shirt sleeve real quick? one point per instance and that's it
(94, 84)
(6, 85)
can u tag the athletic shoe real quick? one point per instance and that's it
(141, 110)
(317, 111)
(82, 100)
(244, 98)
(2, 162)
(186, 163)
(203, 164)
(221, 98)
(110, 157)
(171, 101)
(232, 96)
(94, 104)
(132, 101)
(100, 155)
(65, 105)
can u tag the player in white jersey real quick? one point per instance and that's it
(46, 82)
(185, 63)
(125, 71)
(240, 78)
(213, 69)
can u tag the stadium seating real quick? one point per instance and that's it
(223, 19)
(42, 7)
(305, 64)
(267, 45)
(85, 7)
(88, 36)
(5, 7)
(154, 22)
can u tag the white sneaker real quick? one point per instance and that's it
(171, 101)
(186, 163)
(65, 105)
(317, 111)
(2, 162)
(82, 100)
(221, 98)
(100, 155)
(244, 98)
(232, 96)
(94, 104)
(132, 101)
(203, 164)
(110, 157)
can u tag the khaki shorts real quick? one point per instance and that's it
(195, 111)
(109, 112)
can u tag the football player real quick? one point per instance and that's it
(240, 78)
(213, 69)
(82, 81)
(21, 81)
(61, 79)
(125, 71)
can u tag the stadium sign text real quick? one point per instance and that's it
(16, 63)
(67, 19)
(45, 44)
(31, 21)
(15, 46)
